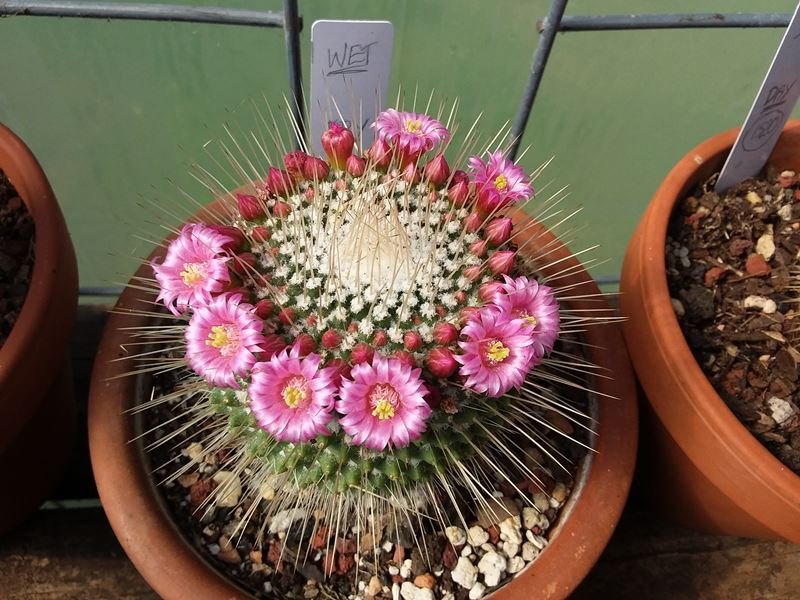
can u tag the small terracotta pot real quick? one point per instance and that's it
(175, 570)
(36, 398)
(702, 467)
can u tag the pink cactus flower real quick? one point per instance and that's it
(409, 133)
(291, 397)
(222, 340)
(383, 403)
(499, 182)
(535, 305)
(195, 268)
(497, 354)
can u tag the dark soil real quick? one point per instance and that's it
(16, 255)
(734, 278)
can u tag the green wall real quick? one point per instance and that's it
(118, 111)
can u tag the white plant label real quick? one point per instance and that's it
(773, 105)
(350, 64)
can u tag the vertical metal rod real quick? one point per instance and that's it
(291, 29)
(551, 25)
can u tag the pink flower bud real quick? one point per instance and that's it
(362, 353)
(478, 248)
(405, 358)
(331, 339)
(467, 313)
(379, 339)
(286, 316)
(278, 182)
(305, 344)
(250, 207)
(445, 333)
(281, 209)
(459, 176)
(411, 174)
(461, 296)
(472, 273)
(272, 345)
(473, 222)
(356, 166)
(412, 341)
(340, 369)
(260, 234)
(337, 141)
(340, 185)
(498, 230)
(380, 154)
(316, 169)
(264, 308)
(236, 235)
(294, 161)
(310, 193)
(441, 362)
(500, 262)
(489, 290)
(437, 171)
(244, 263)
(458, 193)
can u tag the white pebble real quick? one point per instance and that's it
(281, 521)
(765, 246)
(529, 551)
(510, 549)
(781, 409)
(677, 306)
(510, 530)
(455, 535)
(785, 212)
(465, 574)
(466, 550)
(537, 541)
(492, 566)
(195, 452)
(516, 564)
(405, 569)
(395, 592)
(541, 502)
(477, 535)
(753, 198)
(266, 491)
(411, 592)
(766, 305)
(230, 488)
(393, 570)
(477, 591)
(387, 546)
(487, 547)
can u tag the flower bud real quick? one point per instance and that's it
(340, 369)
(473, 222)
(460, 296)
(331, 339)
(316, 169)
(305, 344)
(294, 161)
(459, 176)
(236, 235)
(441, 362)
(356, 166)
(489, 290)
(478, 248)
(458, 193)
(273, 344)
(281, 209)
(467, 313)
(250, 207)
(362, 353)
(412, 341)
(379, 339)
(472, 273)
(437, 171)
(264, 308)
(286, 316)
(380, 154)
(260, 234)
(498, 230)
(501, 262)
(445, 333)
(310, 193)
(411, 174)
(278, 182)
(244, 263)
(405, 358)
(337, 141)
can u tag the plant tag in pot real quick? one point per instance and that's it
(350, 65)
(772, 107)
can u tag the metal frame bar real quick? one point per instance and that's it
(555, 22)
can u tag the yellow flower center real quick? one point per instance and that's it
(497, 352)
(225, 338)
(413, 126)
(500, 182)
(530, 319)
(193, 273)
(293, 396)
(383, 409)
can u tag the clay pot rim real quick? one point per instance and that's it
(728, 431)
(153, 543)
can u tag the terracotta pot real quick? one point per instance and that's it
(36, 398)
(703, 468)
(175, 570)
